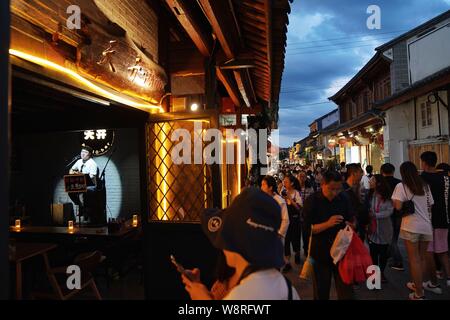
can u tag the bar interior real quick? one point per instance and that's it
(97, 90)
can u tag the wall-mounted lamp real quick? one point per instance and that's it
(194, 107)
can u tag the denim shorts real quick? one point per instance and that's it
(415, 237)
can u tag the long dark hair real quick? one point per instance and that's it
(411, 178)
(271, 182)
(382, 187)
(294, 181)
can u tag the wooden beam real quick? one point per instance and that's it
(184, 12)
(268, 12)
(229, 85)
(254, 17)
(222, 22)
(253, 4)
(250, 84)
(254, 23)
(241, 87)
(220, 16)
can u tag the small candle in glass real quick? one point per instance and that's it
(135, 220)
(70, 225)
(17, 225)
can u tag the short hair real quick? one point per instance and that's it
(445, 167)
(352, 168)
(330, 176)
(369, 169)
(429, 157)
(342, 164)
(88, 149)
(387, 168)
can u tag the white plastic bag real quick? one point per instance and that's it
(341, 243)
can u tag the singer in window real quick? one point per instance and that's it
(85, 165)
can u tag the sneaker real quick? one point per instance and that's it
(398, 267)
(287, 268)
(297, 258)
(436, 289)
(412, 296)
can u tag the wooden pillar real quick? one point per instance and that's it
(210, 83)
(5, 142)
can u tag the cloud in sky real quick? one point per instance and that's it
(328, 43)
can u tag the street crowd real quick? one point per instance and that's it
(300, 209)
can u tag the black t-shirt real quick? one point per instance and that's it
(318, 209)
(439, 210)
(359, 206)
(392, 182)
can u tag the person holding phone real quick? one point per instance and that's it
(247, 234)
(326, 212)
(294, 204)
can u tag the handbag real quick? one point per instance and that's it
(352, 268)
(307, 271)
(408, 207)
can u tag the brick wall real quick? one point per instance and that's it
(43, 157)
(137, 18)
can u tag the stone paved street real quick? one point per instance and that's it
(395, 289)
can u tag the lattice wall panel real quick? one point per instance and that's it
(177, 192)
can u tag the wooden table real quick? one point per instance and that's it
(25, 251)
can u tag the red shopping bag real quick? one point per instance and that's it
(353, 266)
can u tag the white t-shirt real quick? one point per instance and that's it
(365, 182)
(284, 215)
(296, 198)
(262, 285)
(420, 221)
(88, 167)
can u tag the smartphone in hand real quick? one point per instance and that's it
(180, 268)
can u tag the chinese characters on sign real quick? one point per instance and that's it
(100, 140)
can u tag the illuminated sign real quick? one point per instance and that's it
(100, 140)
